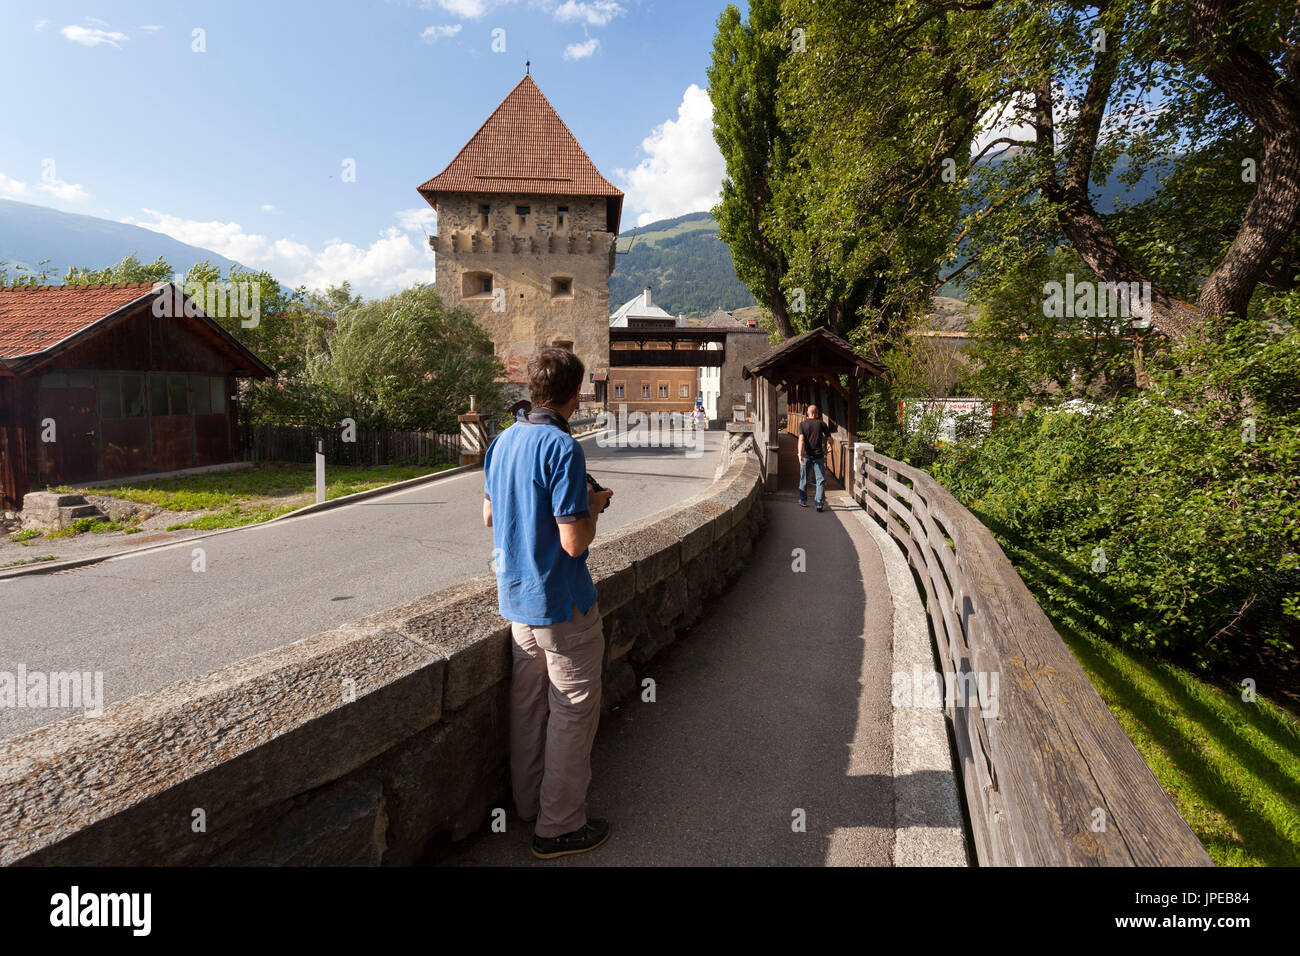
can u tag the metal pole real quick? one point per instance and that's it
(320, 470)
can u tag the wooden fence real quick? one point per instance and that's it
(297, 443)
(1049, 775)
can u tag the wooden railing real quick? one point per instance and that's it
(1049, 775)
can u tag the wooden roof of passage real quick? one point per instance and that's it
(38, 323)
(818, 351)
(523, 148)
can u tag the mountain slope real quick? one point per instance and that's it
(686, 265)
(30, 233)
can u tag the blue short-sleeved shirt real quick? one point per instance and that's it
(536, 475)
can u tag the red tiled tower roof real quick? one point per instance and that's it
(33, 318)
(523, 148)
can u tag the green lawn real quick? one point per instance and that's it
(265, 491)
(1231, 767)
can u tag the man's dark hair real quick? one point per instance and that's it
(554, 374)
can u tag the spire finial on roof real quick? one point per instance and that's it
(528, 67)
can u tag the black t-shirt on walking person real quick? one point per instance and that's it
(814, 432)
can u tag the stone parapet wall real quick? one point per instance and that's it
(381, 742)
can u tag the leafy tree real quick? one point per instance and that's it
(24, 276)
(404, 362)
(743, 84)
(130, 269)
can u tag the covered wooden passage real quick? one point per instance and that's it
(808, 369)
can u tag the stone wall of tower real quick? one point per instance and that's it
(525, 260)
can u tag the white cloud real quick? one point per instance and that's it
(12, 187)
(41, 25)
(580, 51)
(683, 169)
(435, 33)
(417, 220)
(269, 207)
(151, 27)
(467, 9)
(596, 13)
(68, 192)
(88, 36)
(390, 263)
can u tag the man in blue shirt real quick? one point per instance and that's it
(543, 517)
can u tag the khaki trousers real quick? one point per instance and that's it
(554, 709)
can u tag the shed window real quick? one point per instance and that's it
(645, 389)
(110, 396)
(133, 396)
(618, 390)
(179, 391)
(685, 391)
(663, 389)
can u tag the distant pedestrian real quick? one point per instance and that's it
(699, 416)
(542, 512)
(814, 438)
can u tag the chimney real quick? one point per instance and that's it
(647, 297)
(681, 320)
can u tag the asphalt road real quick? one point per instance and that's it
(148, 619)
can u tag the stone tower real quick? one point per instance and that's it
(526, 234)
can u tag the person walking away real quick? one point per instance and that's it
(543, 513)
(814, 434)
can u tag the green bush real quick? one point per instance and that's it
(1169, 519)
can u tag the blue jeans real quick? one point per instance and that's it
(818, 467)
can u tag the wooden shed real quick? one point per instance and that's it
(94, 385)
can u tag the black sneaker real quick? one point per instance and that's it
(819, 507)
(586, 838)
(803, 504)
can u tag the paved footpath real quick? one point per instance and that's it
(777, 700)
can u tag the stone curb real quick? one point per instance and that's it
(928, 827)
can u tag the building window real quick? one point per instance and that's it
(645, 389)
(476, 284)
(563, 344)
(561, 287)
(561, 214)
(523, 212)
(685, 392)
(618, 390)
(663, 389)
(168, 395)
(484, 212)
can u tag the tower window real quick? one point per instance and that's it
(523, 212)
(561, 214)
(484, 212)
(561, 287)
(476, 284)
(562, 344)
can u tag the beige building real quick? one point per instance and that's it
(724, 387)
(651, 388)
(526, 234)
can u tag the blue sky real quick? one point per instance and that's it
(240, 147)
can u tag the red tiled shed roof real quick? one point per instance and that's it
(523, 148)
(33, 318)
(37, 322)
